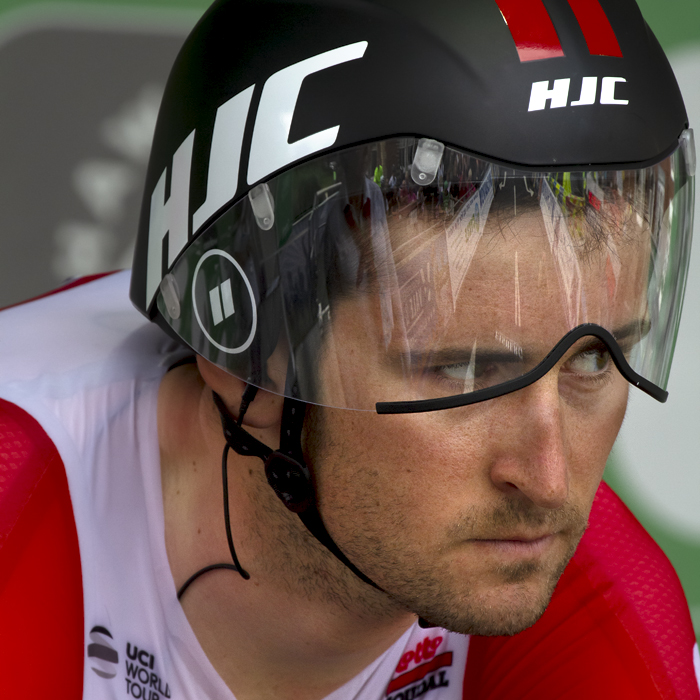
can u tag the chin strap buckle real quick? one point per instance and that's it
(290, 480)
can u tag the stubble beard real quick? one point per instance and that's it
(446, 597)
(525, 591)
(410, 578)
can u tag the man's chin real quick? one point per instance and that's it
(516, 598)
(515, 604)
(491, 618)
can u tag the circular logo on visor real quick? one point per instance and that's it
(223, 301)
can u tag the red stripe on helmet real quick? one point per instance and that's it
(595, 25)
(531, 28)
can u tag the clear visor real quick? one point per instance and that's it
(400, 276)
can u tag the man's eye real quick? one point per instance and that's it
(458, 372)
(591, 361)
(479, 374)
(456, 378)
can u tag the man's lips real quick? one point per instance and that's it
(517, 545)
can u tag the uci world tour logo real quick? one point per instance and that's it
(104, 658)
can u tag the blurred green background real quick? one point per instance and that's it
(80, 84)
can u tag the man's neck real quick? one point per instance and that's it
(284, 633)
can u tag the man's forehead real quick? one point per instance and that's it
(514, 286)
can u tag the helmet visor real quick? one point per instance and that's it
(404, 276)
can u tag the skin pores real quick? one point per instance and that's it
(468, 516)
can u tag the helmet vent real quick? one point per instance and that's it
(171, 295)
(263, 206)
(426, 161)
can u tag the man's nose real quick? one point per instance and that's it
(532, 455)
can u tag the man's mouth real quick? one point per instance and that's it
(517, 545)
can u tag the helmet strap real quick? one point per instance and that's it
(286, 471)
(248, 396)
(287, 474)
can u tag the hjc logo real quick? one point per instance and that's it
(558, 95)
(269, 150)
(424, 651)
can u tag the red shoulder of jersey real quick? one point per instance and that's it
(41, 595)
(618, 625)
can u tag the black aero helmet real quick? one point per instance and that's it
(334, 186)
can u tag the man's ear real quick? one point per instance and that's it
(265, 411)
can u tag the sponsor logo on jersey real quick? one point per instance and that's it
(170, 220)
(421, 670)
(143, 681)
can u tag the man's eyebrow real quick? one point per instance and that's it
(639, 327)
(462, 355)
(455, 356)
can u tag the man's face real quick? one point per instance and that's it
(469, 515)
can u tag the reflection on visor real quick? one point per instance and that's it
(368, 290)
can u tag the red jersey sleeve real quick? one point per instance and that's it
(618, 625)
(41, 599)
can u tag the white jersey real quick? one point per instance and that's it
(88, 366)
